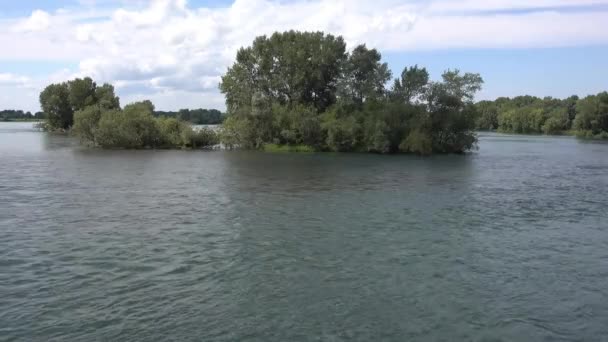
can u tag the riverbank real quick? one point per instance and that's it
(569, 133)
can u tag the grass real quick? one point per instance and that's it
(287, 148)
(589, 135)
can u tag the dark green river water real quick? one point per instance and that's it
(509, 243)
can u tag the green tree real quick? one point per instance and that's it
(55, 103)
(487, 115)
(592, 115)
(287, 68)
(411, 85)
(364, 76)
(60, 101)
(82, 93)
(106, 98)
(296, 89)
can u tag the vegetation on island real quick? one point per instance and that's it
(586, 117)
(94, 115)
(304, 91)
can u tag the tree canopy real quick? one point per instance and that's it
(303, 88)
(587, 117)
(19, 115)
(303, 91)
(59, 101)
(286, 68)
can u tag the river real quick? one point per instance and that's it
(508, 243)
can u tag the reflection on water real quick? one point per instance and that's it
(507, 243)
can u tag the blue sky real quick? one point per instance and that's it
(174, 51)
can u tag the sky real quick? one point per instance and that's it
(174, 52)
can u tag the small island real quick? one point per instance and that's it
(303, 91)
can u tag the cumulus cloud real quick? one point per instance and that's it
(38, 21)
(169, 48)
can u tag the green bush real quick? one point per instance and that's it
(86, 122)
(342, 134)
(202, 138)
(136, 128)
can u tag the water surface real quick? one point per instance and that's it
(509, 243)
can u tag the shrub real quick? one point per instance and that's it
(202, 138)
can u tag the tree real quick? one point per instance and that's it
(81, 93)
(592, 115)
(462, 87)
(364, 76)
(55, 103)
(106, 98)
(287, 68)
(487, 115)
(411, 85)
(60, 101)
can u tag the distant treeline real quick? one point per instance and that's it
(19, 115)
(195, 116)
(586, 117)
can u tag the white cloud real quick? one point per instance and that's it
(8, 79)
(447, 6)
(38, 21)
(168, 48)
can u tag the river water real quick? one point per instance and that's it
(509, 243)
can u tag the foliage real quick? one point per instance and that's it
(60, 101)
(19, 115)
(86, 122)
(286, 68)
(363, 76)
(588, 117)
(343, 132)
(55, 103)
(195, 116)
(411, 85)
(203, 138)
(135, 127)
(592, 117)
(533, 115)
(303, 89)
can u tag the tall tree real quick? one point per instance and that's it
(60, 101)
(364, 76)
(411, 85)
(287, 68)
(55, 103)
(106, 98)
(81, 93)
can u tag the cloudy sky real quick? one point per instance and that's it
(174, 51)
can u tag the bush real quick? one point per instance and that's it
(174, 132)
(86, 122)
(417, 142)
(135, 128)
(342, 133)
(202, 138)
